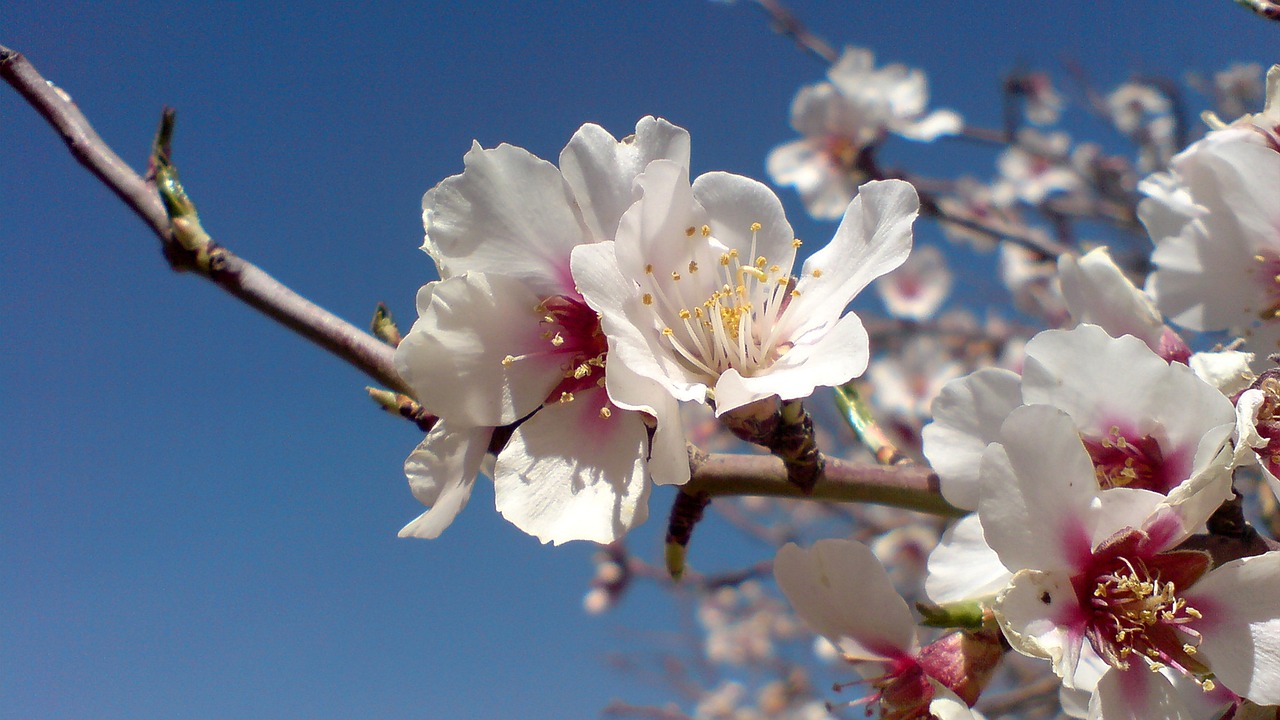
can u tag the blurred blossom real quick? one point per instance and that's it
(1236, 91)
(1041, 103)
(1033, 281)
(904, 551)
(742, 624)
(905, 383)
(857, 106)
(505, 339)
(1035, 167)
(697, 296)
(918, 287)
(975, 200)
(1144, 114)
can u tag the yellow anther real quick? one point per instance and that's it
(690, 230)
(581, 371)
(668, 332)
(761, 262)
(685, 314)
(693, 266)
(1208, 685)
(756, 273)
(508, 360)
(558, 340)
(648, 269)
(724, 258)
(605, 413)
(706, 231)
(647, 299)
(566, 397)
(755, 226)
(675, 276)
(1259, 258)
(817, 272)
(795, 293)
(1189, 649)
(795, 243)
(775, 269)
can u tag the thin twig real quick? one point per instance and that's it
(238, 276)
(786, 23)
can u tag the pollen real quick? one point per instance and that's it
(693, 266)
(685, 314)
(796, 243)
(648, 269)
(566, 397)
(675, 276)
(605, 413)
(558, 340)
(647, 299)
(509, 360)
(690, 230)
(706, 231)
(755, 227)
(817, 272)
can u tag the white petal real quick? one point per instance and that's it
(551, 484)
(1037, 488)
(453, 356)
(1240, 602)
(824, 187)
(441, 472)
(835, 357)
(967, 415)
(508, 212)
(963, 567)
(1120, 508)
(843, 592)
(932, 126)
(668, 452)
(1227, 370)
(1041, 617)
(1097, 292)
(873, 238)
(946, 705)
(602, 171)
(1136, 694)
(734, 204)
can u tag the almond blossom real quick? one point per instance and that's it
(698, 293)
(1101, 566)
(855, 108)
(1213, 218)
(1147, 423)
(841, 590)
(504, 340)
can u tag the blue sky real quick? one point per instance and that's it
(197, 509)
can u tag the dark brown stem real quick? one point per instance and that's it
(786, 23)
(237, 276)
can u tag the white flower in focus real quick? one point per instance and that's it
(1099, 567)
(1146, 423)
(1214, 220)
(1098, 292)
(697, 293)
(918, 287)
(843, 593)
(505, 338)
(857, 106)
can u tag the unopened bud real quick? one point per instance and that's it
(384, 327)
(963, 661)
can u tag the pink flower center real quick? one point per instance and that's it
(842, 152)
(1133, 609)
(573, 330)
(1123, 459)
(1268, 424)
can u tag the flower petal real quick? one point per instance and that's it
(963, 567)
(1041, 617)
(843, 592)
(1037, 488)
(873, 238)
(552, 485)
(508, 212)
(454, 354)
(734, 205)
(1240, 604)
(602, 171)
(441, 472)
(1136, 694)
(967, 416)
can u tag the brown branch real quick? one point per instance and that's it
(909, 487)
(237, 276)
(786, 23)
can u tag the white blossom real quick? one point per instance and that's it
(504, 338)
(697, 294)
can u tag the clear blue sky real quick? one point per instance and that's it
(198, 510)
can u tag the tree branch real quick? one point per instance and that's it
(237, 276)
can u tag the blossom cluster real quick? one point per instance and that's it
(579, 305)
